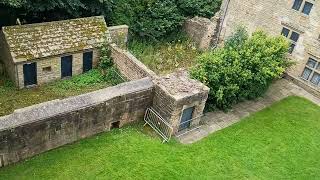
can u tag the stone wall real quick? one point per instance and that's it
(201, 31)
(54, 63)
(129, 66)
(6, 58)
(271, 16)
(32, 130)
(119, 35)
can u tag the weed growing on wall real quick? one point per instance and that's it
(243, 69)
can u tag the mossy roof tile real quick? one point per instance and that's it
(34, 41)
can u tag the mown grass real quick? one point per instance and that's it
(165, 56)
(280, 142)
(11, 98)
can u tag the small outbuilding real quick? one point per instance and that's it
(39, 53)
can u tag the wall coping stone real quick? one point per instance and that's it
(179, 85)
(53, 108)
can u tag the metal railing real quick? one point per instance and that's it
(156, 122)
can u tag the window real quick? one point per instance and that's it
(307, 8)
(294, 37)
(315, 79)
(285, 32)
(47, 69)
(312, 72)
(297, 5)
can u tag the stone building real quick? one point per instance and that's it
(38, 53)
(297, 20)
(180, 100)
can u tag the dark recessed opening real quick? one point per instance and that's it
(115, 125)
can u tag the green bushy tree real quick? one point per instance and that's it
(149, 19)
(242, 69)
(203, 8)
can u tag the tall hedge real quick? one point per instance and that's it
(243, 69)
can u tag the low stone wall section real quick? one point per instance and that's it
(39, 128)
(202, 31)
(119, 35)
(129, 66)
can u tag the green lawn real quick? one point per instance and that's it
(11, 98)
(165, 56)
(280, 142)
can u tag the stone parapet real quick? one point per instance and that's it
(39, 128)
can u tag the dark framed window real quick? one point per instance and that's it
(312, 72)
(291, 48)
(306, 73)
(294, 36)
(285, 32)
(315, 79)
(297, 4)
(307, 8)
(311, 63)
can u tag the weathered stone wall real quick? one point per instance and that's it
(163, 103)
(271, 16)
(119, 35)
(201, 31)
(6, 58)
(42, 127)
(129, 66)
(55, 64)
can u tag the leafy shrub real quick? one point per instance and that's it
(105, 60)
(150, 19)
(203, 8)
(242, 69)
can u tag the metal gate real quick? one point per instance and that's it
(162, 127)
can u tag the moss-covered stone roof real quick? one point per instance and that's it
(33, 41)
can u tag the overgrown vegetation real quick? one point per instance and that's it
(148, 19)
(166, 55)
(280, 142)
(242, 69)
